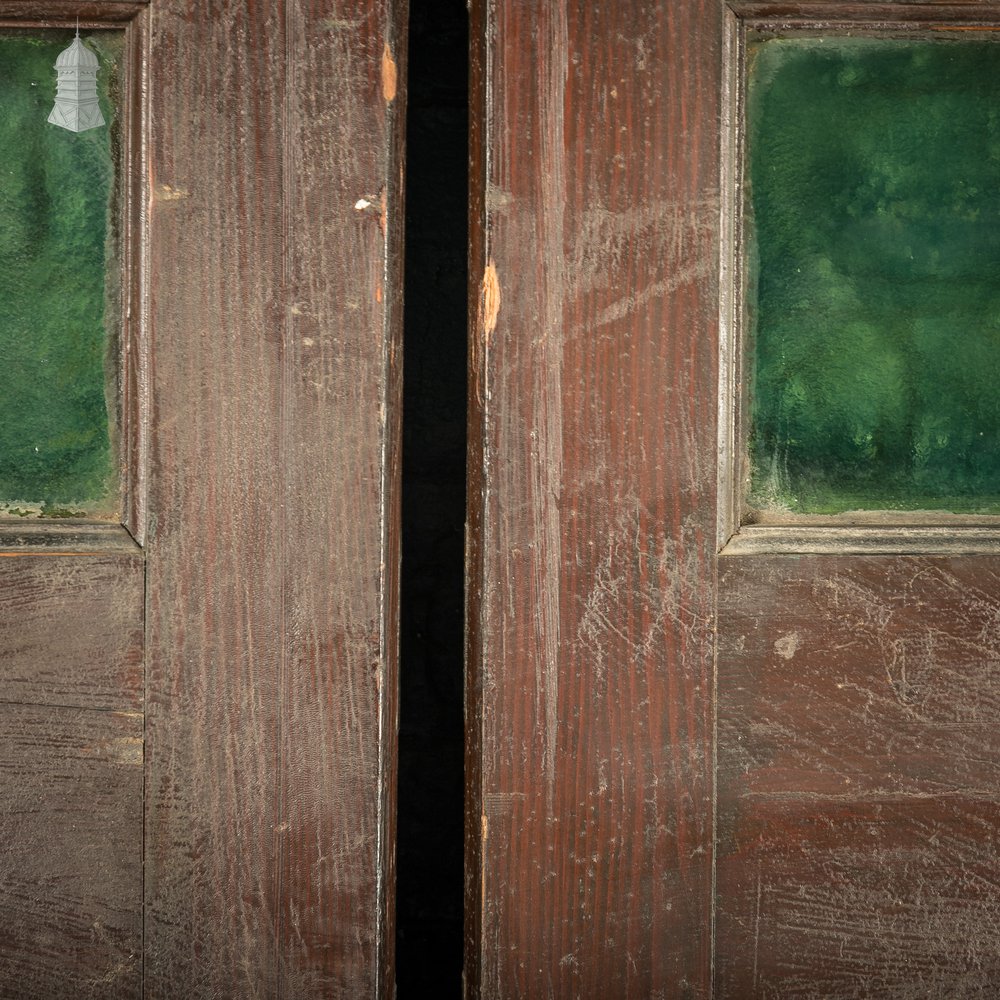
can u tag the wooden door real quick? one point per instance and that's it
(199, 706)
(706, 758)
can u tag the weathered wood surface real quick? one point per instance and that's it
(134, 338)
(866, 539)
(859, 757)
(344, 131)
(272, 611)
(63, 13)
(592, 498)
(71, 862)
(930, 12)
(71, 628)
(857, 713)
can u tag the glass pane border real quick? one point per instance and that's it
(132, 227)
(868, 532)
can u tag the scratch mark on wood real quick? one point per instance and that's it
(548, 469)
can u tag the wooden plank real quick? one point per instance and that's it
(71, 630)
(593, 498)
(134, 341)
(346, 123)
(65, 12)
(273, 534)
(64, 537)
(71, 868)
(858, 764)
(216, 531)
(932, 12)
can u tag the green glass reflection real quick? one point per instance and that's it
(873, 225)
(56, 365)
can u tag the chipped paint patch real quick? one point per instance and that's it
(126, 750)
(372, 203)
(788, 645)
(490, 299)
(164, 192)
(497, 199)
(389, 75)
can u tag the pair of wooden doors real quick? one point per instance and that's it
(704, 759)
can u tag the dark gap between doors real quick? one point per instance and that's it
(431, 747)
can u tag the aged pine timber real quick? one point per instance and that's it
(273, 463)
(592, 499)
(345, 128)
(71, 629)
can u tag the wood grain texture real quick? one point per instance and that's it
(592, 498)
(71, 702)
(857, 715)
(272, 610)
(60, 13)
(214, 622)
(859, 703)
(930, 12)
(71, 630)
(342, 409)
(870, 539)
(71, 867)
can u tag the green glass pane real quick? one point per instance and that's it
(57, 370)
(873, 290)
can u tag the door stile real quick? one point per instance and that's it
(275, 245)
(594, 381)
(214, 538)
(344, 159)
